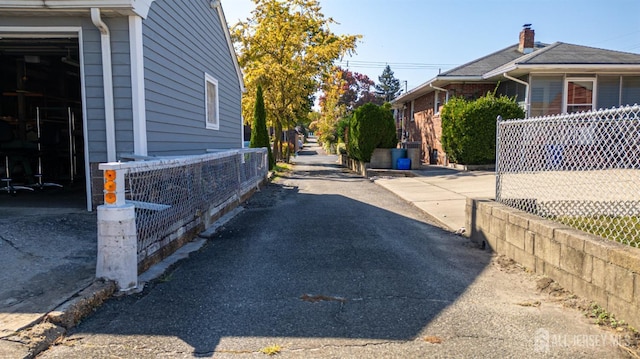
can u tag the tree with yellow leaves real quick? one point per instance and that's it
(331, 110)
(288, 48)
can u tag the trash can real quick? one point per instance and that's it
(554, 156)
(414, 155)
(397, 153)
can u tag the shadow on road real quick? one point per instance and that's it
(352, 264)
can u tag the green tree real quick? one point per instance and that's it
(469, 127)
(389, 86)
(259, 133)
(286, 46)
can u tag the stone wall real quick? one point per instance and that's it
(603, 271)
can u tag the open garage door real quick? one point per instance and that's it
(41, 134)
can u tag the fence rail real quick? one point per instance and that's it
(173, 196)
(580, 169)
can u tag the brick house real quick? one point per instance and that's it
(546, 79)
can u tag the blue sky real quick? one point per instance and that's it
(417, 38)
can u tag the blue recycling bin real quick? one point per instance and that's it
(404, 163)
(554, 156)
(397, 153)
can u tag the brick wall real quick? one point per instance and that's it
(425, 125)
(602, 271)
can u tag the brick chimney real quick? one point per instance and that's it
(527, 36)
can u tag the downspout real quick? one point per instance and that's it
(446, 98)
(107, 78)
(526, 91)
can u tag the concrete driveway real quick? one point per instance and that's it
(442, 192)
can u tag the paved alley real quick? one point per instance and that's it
(322, 263)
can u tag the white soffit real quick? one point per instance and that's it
(125, 7)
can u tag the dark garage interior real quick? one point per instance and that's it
(41, 134)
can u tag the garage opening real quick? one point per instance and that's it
(41, 134)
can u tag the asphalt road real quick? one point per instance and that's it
(326, 264)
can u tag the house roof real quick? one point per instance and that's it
(559, 56)
(487, 63)
(569, 57)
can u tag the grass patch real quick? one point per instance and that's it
(271, 350)
(601, 317)
(281, 169)
(166, 277)
(622, 229)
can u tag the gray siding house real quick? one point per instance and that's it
(119, 79)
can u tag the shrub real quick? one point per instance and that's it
(469, 127)
(259, 134)
(370, 127)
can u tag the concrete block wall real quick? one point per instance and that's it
(354, 165)
(600, 270)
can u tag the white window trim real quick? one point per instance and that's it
(211, 125)
(594, 99)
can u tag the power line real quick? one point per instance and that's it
(393, 65)
(617, 37)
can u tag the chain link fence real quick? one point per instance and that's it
(173, 196)
(580, 169)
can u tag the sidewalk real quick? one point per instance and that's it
(441, 192)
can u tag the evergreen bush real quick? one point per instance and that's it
(469, 127)
(370, 127)
(259, 134)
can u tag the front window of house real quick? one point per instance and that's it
(546, 95)
(579, 94)
(554, 94)
(614, 91)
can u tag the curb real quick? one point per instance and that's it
(30, 342)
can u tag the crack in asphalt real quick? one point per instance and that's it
(360, 345)
(10, 243)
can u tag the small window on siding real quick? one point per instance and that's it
(211, 97)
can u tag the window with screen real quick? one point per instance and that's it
(546, 95)
(211, 95)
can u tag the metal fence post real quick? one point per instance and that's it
(497, 170)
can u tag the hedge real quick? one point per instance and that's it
(469, 127)
(370, 127)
